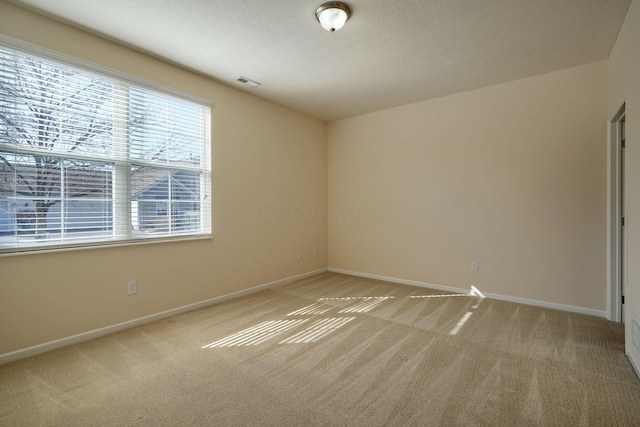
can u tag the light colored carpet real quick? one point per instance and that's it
(336, 350)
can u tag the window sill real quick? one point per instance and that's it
(101, 245)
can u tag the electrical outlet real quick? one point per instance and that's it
(132, 288)
(475, 266)
(316, 252)
(299, 254)
(636, 334)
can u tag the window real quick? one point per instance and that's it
(89, 156)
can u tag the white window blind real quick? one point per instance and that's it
(92, 157)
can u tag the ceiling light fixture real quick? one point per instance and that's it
(333, 15)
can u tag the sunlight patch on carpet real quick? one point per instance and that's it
(315, 308)
(257, 334)
(317, 330)
(439, 296)
(367, 304)
(461, 323)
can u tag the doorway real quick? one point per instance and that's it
(616, 234)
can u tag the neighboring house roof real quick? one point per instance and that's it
(145, 177)
(184, 186)
(145, 182)
(78, 180)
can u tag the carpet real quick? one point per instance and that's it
(336, 350)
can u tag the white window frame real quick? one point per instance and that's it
(122, 213)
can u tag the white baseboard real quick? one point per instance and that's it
(85, 336)
(570, 308)
(402, 281)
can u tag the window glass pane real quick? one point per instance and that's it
(31, 185)
(164, 129)
(87, 207)
(165, 201)
(45, 200)
(186, 217)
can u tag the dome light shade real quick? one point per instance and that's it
(332, 15)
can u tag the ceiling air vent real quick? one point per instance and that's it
(248, 82)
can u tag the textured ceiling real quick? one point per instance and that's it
(389, 53)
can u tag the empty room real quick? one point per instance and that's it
(358, 213)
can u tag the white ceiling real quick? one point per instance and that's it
(389, 53)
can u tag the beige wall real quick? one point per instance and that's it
(266, 159)
(624, 86)
(512, 175)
